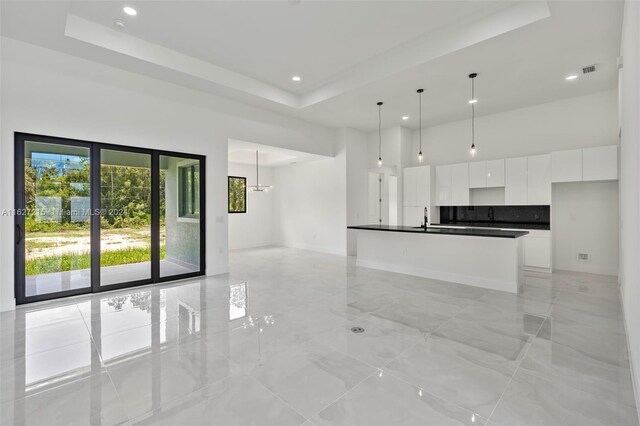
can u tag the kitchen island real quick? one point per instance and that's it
(488, 258)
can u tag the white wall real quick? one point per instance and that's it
(50, 93)
(357, 165)
(255, 227)
(585, 220)
(569, 123)
(629, 89)
(311, 204)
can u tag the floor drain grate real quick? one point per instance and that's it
(357, 329)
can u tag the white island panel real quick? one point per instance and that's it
(493, 263)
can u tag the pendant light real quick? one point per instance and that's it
(257, 187)
(420, 121)
(379, 134)
(473, 102)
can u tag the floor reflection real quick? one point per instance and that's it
(203, 351)
(54, 345)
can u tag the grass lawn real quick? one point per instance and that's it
(72, 262)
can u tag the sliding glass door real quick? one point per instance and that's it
(92, 217)
(180, 201)
(54, 233)
(125, 217)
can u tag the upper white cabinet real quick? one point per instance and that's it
(443, 185)
(587, 164)
(527, 180)
(486, 174)
(460, 184)
(478, 174)
(515, 190)
(566, 166)
(600, 163)
(495, 173)
(539, 179)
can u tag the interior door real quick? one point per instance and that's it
(375, 198)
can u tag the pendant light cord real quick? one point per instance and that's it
(473, 115)
(420, 117)
(379, 129)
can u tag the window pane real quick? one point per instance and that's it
(179, 211)
(188, 190)
(237, 194)
(57, 229)
(125, 220)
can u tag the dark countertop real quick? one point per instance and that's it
(510, 225)
(496, 233)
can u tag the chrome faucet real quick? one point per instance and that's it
(426, 220)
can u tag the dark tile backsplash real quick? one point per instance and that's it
(501, 214)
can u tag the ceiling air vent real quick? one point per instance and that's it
(588, 69)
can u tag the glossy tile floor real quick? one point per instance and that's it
(270, 344)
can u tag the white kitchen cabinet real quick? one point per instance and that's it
(486, 174)
(417, 186)
(423, 186)
(460, 184)
(443, 185)
(478, 174)
(600, 163)
(416, 194)
(537, 249)
(515, 189)
(539, 179)
(413, 215)
(495, 173)
(566, 166)
(409, 185)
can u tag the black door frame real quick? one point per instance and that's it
(95, 153)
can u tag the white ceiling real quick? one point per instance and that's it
(242, 152)
(350, 54)
(271, 41)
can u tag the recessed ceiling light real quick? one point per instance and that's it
(130, 11)
(296, 78)
(571, 77)
(473, 101)
(405, 117)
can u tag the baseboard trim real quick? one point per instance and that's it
(537, 269)
(8, 305)
(319, 249)
(216, 271)
(253, 246)
(634, 383)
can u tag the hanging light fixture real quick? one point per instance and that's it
(379, 134)
(420, 121)
(473, 102)
(257, 187)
